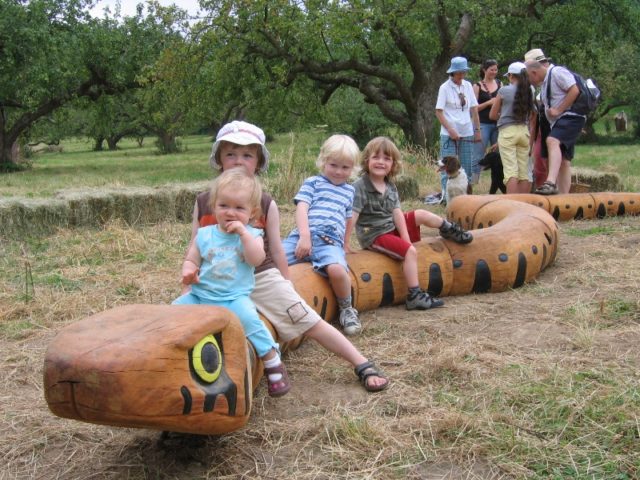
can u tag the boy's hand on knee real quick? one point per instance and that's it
(303, 248)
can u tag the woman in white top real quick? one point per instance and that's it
(457, 111)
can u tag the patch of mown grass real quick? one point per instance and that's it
(78, 166)
(80, 271)
(561, 424)
(59, 281)
(16, 330)
(587, 232)
(603, 313)
(621, 159)
(621, 308)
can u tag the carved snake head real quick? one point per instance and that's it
(178, 368)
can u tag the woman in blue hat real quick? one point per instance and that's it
(457, 111)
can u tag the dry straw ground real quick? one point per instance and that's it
(540, 382)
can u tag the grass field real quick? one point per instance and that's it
(78, 166)
(293, 158)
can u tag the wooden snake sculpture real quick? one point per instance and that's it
(190, 369)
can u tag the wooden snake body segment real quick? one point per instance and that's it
(190, 369)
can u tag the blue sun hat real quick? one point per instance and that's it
(458, 64)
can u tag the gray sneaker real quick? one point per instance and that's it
(454, 231)
(350, 321)
(423, 301)
(547, 188)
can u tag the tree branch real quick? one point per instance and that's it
(465, 29)
(413, 59)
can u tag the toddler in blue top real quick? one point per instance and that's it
(323, 220)
(220, 264)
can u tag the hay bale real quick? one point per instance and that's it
(579, 188)
(95, 207)
(31, 217)
(88, 207)
(185, 198)
(143, 206)
(598, 181)
(407, 187)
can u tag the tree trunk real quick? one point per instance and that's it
(97, 144)
(6, 162)
(112, 142)
(423, 130)
(167, 142)
(15, 152)
(8, 153)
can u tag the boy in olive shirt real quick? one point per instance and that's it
(382, 226)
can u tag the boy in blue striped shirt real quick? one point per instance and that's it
(323, 219)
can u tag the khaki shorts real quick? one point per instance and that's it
(278, 301)
(513, 143)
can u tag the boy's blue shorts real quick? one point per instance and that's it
(323, 253)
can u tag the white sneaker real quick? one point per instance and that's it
(350, 321)
(433, 199)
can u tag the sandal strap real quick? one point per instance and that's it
(369, 369)
(366, 370)
(279, 387)
(275, 370)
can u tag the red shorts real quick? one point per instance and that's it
(392, 245)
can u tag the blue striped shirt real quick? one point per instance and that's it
(329, 206)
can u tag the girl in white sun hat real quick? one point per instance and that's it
(514, 110)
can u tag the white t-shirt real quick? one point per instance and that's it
(449, 101)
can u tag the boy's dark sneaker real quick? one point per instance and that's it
(423, 301)
(453, 231)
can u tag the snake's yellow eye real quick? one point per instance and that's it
(206, 359)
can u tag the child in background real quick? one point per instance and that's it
(515, 110)
(241, 145)
(323, 221)
(220, 264)
(382, 226)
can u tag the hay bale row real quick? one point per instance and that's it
(597, 181)
(92, 207)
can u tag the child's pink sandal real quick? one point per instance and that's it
(280, 387)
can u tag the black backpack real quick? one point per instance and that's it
(589, 96)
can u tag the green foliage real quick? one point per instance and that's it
(52, 53)
(347, 112)
(395, 53)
